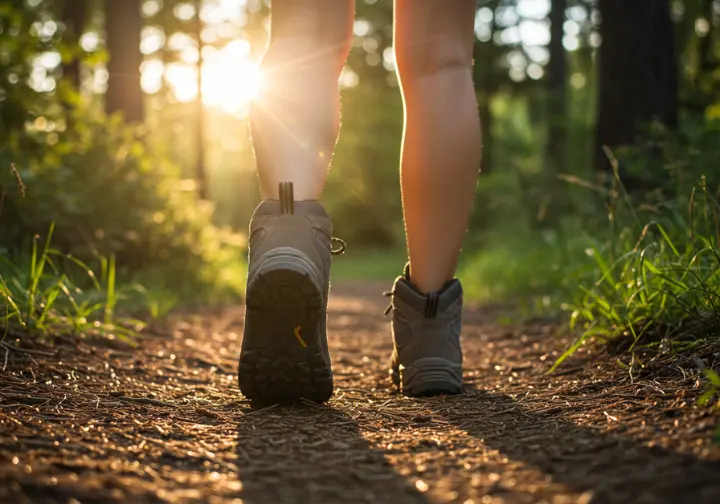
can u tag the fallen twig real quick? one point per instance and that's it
(28, 351)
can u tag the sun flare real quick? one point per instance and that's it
(230, 79)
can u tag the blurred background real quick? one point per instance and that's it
(102, 121)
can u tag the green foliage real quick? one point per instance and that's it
(710, 398)
(519, 270)
(40, 296)
(109, 194)
(380, 264)
(108, 189)
(21, 41)
(657, 286)
(364, 180)
(529, 226)
(656, 276)
(637, 269)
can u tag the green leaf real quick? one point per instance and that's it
(705, 398)
(713, 377)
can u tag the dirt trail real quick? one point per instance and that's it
(165, 423)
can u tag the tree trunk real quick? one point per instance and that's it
(638, 72)
(201, 175)
(169, 22)
(557, 89)
(74, 16)
(123, 25)
(705, 47)
(486, 84)
(485, 100)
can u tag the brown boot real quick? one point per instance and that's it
(427, 356)
(285, 353)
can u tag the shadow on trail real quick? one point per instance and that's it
(613, 468)
(313, 454)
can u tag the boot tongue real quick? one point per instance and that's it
(273, 207)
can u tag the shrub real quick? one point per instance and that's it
(108, 193)
(637, 267)
(656, 278)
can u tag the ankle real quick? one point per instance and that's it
(427, 284)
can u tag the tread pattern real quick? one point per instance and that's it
(274, 367)
(269, 376)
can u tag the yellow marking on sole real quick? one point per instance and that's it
(296, 332)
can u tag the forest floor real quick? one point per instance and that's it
(99, 422)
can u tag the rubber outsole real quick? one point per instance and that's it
(283, 358)
(428, 377)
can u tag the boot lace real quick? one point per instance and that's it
(389, 294)
(432, 303)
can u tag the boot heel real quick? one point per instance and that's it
(282, 359)
(431, 375)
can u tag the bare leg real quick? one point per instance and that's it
(296, 118)
(441, 144)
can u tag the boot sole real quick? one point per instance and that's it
(282, 358)
(430, 376)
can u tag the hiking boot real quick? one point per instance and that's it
(427, 357)
(285, 353)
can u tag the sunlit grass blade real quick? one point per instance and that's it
(594, 330)
(49, 297)
(110, 289)
(83, 266)
(37, 268)
(668, 240)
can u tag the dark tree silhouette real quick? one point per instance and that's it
(707, 63)
(74, 16)
(123, 25)
(638, 71)
(705, 46)
(200, 170)
(487, 83)
(557, 88)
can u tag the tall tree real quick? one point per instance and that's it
(703, 90)
(557, 88)
(705, 47)
(638, 71)
(201, 175)
(123, 24)
(74, 16)
(487, 78)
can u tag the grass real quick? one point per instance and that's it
(655, 282)
(41, 297)
(646, 283)
(711, 397)
(526, 274)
